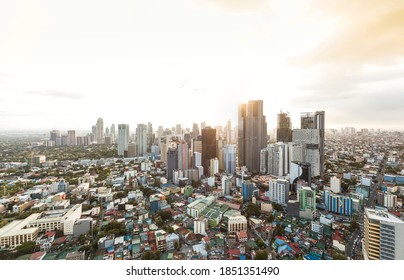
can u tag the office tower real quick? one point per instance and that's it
(310, 138)
(188, 139)
(149, 136)
(252, 134)
(123, 138)
(226, 185)
(71, 138)
(383, 236)
(93, 133)
(197, 159)
(183, 156)
(220, 152)
(228, 132)
(100, 131)
(307, 202)
(197, 145)
(274, 159)
(172, 162)
(141, 139)
(80, 140)
(316, 120)
(55, 137)
(107, 131)
(203, 125)
(296, 152)
(178, 129)
(112, 132)
(195, 130)
(248, 190)
(87, 140)
(284, 129)
(278, 191)
(230, 159)
(132, 150)
(63, 140)
(208, 147)
(108, 140)
(213, 167)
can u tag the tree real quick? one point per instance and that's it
(270, 218)
(177, 245)
(261, 243)
(354, 225)
(261, 255)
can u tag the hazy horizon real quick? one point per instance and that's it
(64, 64)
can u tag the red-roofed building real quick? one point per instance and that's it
(242, 236)
(37, 256)
(234, 254)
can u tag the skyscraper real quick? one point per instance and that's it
(71, 138)
(149, 136)
(316, 120)
(123, 138)
(172, 162)
(100, 131)
(208, 147)
(252, 134)
(141, 139)
(384, 234)
(230, 159)
(310, 139)
(195, 130)
(284, 129)
(274, 159)
(183, 156)
(55, 136)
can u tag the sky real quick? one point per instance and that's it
(63, 64)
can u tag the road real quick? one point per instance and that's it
(349, 246)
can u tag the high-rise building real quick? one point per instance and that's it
(230, 159)
(284, 129)
(316, 120)
(208, 147)
(274, 159)
(307, 202)
(278, 191)
(112, 132)
(337, 203)
(226, 185)
(100, 131)
(248, 190)
(195, 130)
(213, 167)
(71, 138)
(55, 137)
(183, 156)
(310, 138)
(252, 134)
(335, 184)
(149, 136)
(178, 129)
(141, 139)
(172, 162)
(197, 159)
(383, 236)
(123, 138)
(94, 133)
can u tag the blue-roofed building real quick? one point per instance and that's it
(311, 257)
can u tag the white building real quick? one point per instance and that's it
(278, 191)
(237, 223)
(335, 184)
(200, 226)
(214, 166)
(383, 236)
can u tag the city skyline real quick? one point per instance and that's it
(138, 62)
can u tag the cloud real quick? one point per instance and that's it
(367, 31)
(56, 94)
